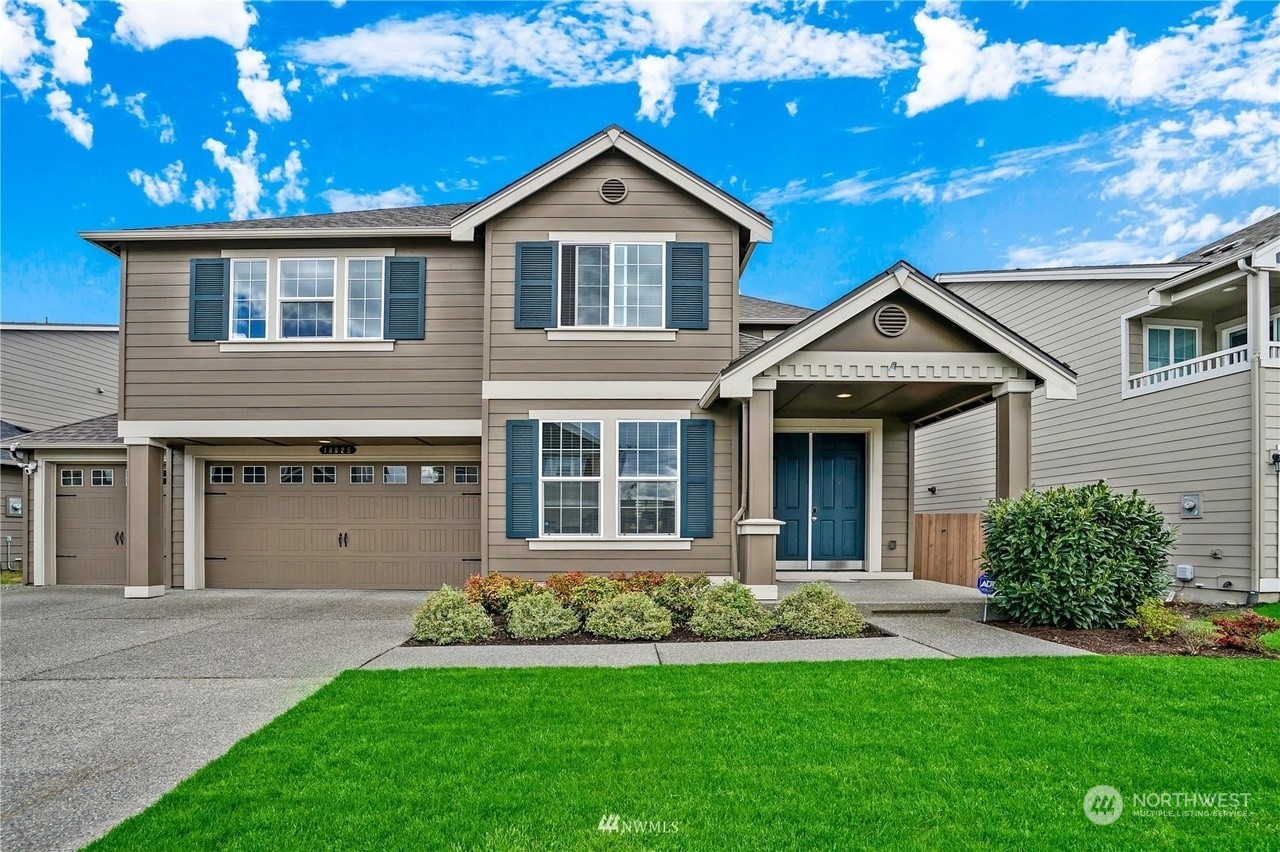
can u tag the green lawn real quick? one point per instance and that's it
(920, 754)
(1269, 610)
(10, 578)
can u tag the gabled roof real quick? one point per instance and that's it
(767, 312)
(1248, 237)
(1059, 379)
(613, 138)
(95, 432)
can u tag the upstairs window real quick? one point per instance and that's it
(298, 298)
(364, 297)
(613, 285)
(1171, 344)
(306, 298)
(249, 300)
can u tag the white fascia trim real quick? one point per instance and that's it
(610, 237)
(259, 346)
(591, 390)
(1195, 272)
(610, 544)
(1158, 272)
(300, 428)
(287, 252)
(36, 326)
(259, 233)
(143, 442)
(143, 591)
(616, 335)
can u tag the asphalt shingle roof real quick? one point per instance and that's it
(99, 430)
(425, 216)
(1250, 236)
(8, 432)
(751, 308)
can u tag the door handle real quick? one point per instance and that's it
(346, 539)
(342, 539)
(814, 516)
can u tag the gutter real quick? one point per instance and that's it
(1257, 317)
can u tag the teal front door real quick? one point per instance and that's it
(820, 486)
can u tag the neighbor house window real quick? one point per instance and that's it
(571, 478)
(362, 474)
(222, 474)
(102, 478)
(324, 474)
(431, 474)
(466, 474)
(254, 474)
(619, 285)
(364, 297)
(290, 474)
(71, 478)
(306, 298)
(248, 300)
(1171, 344)
(395, 474)
(648, 477)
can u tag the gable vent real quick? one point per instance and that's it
(891, 320)
(613, 190)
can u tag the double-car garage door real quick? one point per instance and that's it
(340, 525)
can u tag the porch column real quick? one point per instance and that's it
(144, 533)
(1013, 437)
(758, 530)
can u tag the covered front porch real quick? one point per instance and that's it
(828, 413)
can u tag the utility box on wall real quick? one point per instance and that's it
(1190, 505)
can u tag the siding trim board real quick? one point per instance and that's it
(299, 428)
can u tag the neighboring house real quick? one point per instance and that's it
(50, 375)
(1179, 397)
(561, 376)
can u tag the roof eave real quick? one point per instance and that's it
(105, 238)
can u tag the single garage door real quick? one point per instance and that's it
(340, 525)
(90, 524)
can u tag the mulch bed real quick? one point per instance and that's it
(1122, 641)
(680, 634)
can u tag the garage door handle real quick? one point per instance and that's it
(64, 556)
(342, 539)
(215, 559)
(215, 494)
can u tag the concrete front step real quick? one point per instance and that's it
(875, 597)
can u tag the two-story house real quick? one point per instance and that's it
(562, 376)
(1179, 397)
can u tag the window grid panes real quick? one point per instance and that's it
(248, 300)
(466, 474)
(102, 478)
(1169, 345)
(324, 474)
(637, 286)
(362, 474)
(648, 474)
(290, 474)
(431, 474)
(306, 298)
(364, 298)
(254, 474)
(222, 474)
(592, 290)
(395, 474)
(72, 478)
(570, 463)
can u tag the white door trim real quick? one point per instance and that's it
(44, 544)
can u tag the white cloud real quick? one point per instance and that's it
(148, 24)
(294, 185)
(205, 195)
(793, 107)
(165, 123)
(162, 189)
(246, 185)
(77, 123)
(20, 49)
(133, 106)
(59, 51)
(658, 46)
(68, 51)
(265, 96)
(108, 95)
(458, 185)
(708, 98)
(342, 200)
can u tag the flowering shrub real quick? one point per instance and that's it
(1244, 630)
(561, 585)
(496, 592)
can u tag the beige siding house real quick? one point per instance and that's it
(1178, 397)
(561, 376)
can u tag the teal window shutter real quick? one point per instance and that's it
(688, 285)
(405, 295)
(697, 478)
(535, 285)
(522, 479)
(210, 295)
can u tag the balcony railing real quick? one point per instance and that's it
(1185, 372)
(1274, 352)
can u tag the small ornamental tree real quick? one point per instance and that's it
(1076, 557)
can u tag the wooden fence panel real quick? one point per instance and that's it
(948, 548)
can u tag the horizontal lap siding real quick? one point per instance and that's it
(167, 377)
(1271, 503)
(51, 378)
(1192, 439)
(513, 556)
(896, 519)
(574, 204)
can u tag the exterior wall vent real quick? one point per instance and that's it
(891, 320)
(613, 190)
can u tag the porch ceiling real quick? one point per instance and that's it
(907, 401)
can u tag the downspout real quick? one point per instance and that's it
(1258, 337)
(742, 493)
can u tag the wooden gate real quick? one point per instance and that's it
(948, 548)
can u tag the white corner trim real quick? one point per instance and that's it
(193, 522)
(1269, 584)
(685, 391)
(300, 428)
(143, 591)
(610, 237)
(764, 592)
(610, 544)
(42, 510)
(1157, 272)
(260, 346)
(618, 335)
(760, 526)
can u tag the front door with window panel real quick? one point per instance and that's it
(820, 488)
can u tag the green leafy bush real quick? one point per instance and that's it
(816, 610)
(1196, 635)
(448, 617)
(729, 611)
(496, 592)
(678, 594)
(541, 616)
(629, 615)
(1154, 621)
(1076, 557)
(590, 593)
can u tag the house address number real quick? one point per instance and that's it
(337, 450)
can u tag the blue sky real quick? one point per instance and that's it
(956, 136)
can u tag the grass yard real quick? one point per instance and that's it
(10, 578)
(896, 754)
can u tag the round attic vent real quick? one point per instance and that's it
(891, 320)
(613, 190)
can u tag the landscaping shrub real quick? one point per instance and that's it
(1196, 635)
(541, 616)
(678, 594)
(562, 584)
(496, 592)
(1076, 557)
(1154, 621)
(585, 596)
(729, 611)
(448, 617)
(641, 581)
(629, 615)
(1243, 630)
(816, 610)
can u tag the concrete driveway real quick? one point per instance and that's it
(107, 703)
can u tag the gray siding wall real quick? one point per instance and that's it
(13, 484)
(51, 378)
(513, 556)
(167, 377)
(896, 518)
(1181, 440)
(573, 204)
(1271, 502)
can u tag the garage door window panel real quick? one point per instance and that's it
(395, 474)
(431, 474)
(102, 478)
(255, 474)
(72, 478)
(222, 474)
(362, 474)
(466, 474)
(325, 474)
(291, 474)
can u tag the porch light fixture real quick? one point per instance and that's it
(1275, 460)
(325, 441)
(1230, 289)
(845, 395)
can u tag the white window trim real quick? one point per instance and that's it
(612, 330)
(1196, 325)
(598, 479)
(1241, 323)
(231, 302)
